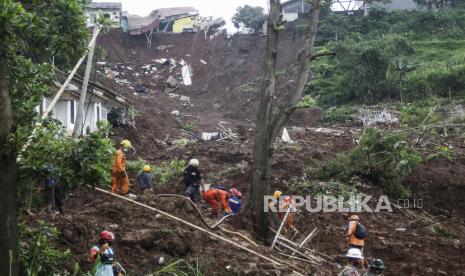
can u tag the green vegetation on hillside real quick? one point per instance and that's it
(390, 57)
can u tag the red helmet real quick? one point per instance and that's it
(235, 192)
(107, 235)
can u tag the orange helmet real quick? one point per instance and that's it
(354, 217)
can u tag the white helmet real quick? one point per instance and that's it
(354, 253)
(194, 162)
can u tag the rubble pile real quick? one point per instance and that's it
(160, 75)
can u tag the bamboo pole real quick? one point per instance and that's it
(281, 226)
(55, 100)
(195, 227)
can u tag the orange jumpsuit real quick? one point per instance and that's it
(351, 234)
(215, 198)
(286, 203)
(118, 173)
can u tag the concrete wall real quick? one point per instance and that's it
(65, 111)
(113, 14)
(188, 22)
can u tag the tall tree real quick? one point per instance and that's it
(249, 17)
(269, 123)
(33, 35)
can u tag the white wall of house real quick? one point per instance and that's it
(65, 111)
(114, 15)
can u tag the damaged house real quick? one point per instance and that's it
(176, 20)
(110, 10)
(99, 102)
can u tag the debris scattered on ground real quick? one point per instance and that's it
(285, 137)
(370, 117)
(327, 131)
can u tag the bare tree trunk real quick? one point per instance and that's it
(8, 196)
(262, 154)
(304, 75)
(267, 124)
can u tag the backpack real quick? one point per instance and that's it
(360, 231)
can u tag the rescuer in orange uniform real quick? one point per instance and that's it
(284, 202)
(217, 198)
(118, 170)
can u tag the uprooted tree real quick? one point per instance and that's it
(269, 123)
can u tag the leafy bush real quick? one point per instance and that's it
(316, 188)
(306, 102)
(93, 156)
(84, 162)
(166, 171)
(163, 172)
(38, 257)
(382, 158)
(339, 114)
(442, 153)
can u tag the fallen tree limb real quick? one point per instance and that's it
(195, 227)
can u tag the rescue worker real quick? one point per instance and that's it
(53, 191)
(145, 179)
(192, 179)
(354, 255)
(216, 198)
(118, 170)
(376, 268)
(104, 255)
(284, 202)
(234, 200)
(351, 239)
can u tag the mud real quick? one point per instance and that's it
(225, 89)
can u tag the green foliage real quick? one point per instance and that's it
(249, 17)
(188, 126)
(181, 268)
(166, 171)
(38, 257)
(317, 188)
(412, 115)
(87, 161)
(306, 102)
(339, 114)
(390, 56)
(382, 158)
(163, 172)
(442, 152)
(93, 156)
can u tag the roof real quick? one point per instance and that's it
(178, 11)
(94, 89)
(105, 5)
(141, 24)
(290, 2)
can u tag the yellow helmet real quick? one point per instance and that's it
(277, 194)
(126, 143)
(146, 168)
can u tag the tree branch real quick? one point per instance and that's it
(315, 56)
